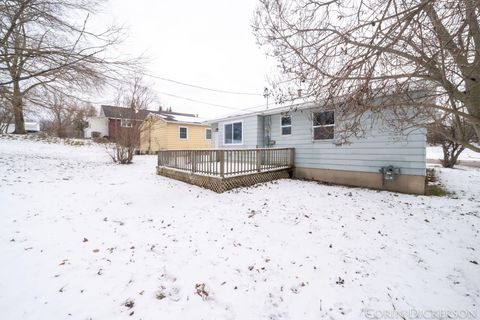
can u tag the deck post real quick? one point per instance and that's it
(292, 157)
(259, 160)
(194, 160)
(222, 163)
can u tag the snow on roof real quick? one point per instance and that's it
(277, 109)
(180, 118)
(292, 107)
(130, 113)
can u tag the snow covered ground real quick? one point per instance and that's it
(435, 153)
(82, 238)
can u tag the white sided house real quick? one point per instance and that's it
(97, 126)
(31, 126)
(380, 159)
(111, 118)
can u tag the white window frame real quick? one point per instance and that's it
(224, 133)
(180, 133)
(211, 133)
(206, 130)
(126, 123)
(286, 126)
(323, 126)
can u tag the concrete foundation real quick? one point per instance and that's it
(402, 183)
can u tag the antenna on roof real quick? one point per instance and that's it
(266, 94)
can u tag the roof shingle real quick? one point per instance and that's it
(132, 114)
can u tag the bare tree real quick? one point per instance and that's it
(62, 112)
(44, 45)
(6, 115)
(13, 10)
(125, 144)
(67, 115)
(137, 95)
(451, 149)
(6, 118)
(417, 61)
(80, 118)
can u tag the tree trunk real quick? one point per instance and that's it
(18, 109)
(473, 103)
(451, 152)
(59, 127)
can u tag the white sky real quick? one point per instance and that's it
(207, 43)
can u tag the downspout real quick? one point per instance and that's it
(267, 125)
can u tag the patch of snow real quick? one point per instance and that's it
(436, 153)
(180, 118)
(84, 238)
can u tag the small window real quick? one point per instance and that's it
(183, 133)
(126, 123)
(208, 133)
(233, 133)
(286, 123)
(323, 125)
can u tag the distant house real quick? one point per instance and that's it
(161, 131)
(31, 126)
(383, 159)
(112, 118)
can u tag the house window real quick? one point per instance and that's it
(286, 123)
(208, 133)
(183, 133)
(323, 125)
(233, 133)
(126, 123)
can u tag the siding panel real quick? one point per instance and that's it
(195, 137)
(380, 147)
(252, 132)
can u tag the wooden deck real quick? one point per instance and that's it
(222, 170)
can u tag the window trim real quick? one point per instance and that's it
(324, 126)
(180, 132)
(211, 133)
(129, 121)
(286, 126)
(224, 132)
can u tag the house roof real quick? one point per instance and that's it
(180, 118)
(276, 110)
(129, 113)
(293, 107)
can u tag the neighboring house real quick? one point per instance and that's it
(112, 118)
(97, 127)
(30, 126)
(319, 155)
(173, 131)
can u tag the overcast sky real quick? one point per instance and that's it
(207, 43)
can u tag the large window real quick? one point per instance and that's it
(183, 133)
(323, 125)
(233, 133)
(208, 133)
(286, 123)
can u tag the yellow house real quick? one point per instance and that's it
(161, 132)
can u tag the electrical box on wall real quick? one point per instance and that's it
(389, 173)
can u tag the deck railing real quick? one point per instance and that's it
(227, 162)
